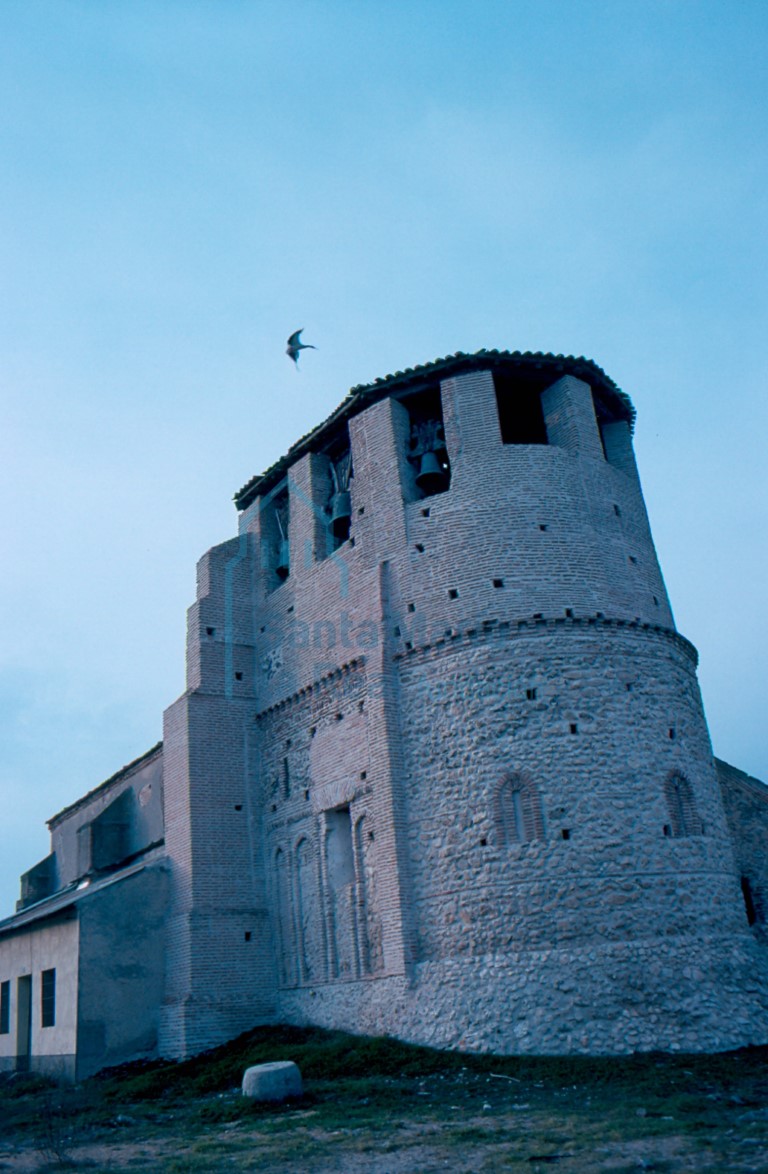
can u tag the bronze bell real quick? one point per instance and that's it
(341, 512)
(283, 565)
(431, 477)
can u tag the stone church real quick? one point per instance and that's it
(441, 769)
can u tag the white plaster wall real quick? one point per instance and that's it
(29, 952)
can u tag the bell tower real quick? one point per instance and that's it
(443, 754)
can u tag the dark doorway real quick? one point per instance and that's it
(23, 1022)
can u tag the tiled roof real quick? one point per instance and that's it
(365, 394)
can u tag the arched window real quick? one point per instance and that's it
(519, 816)
(684, 818)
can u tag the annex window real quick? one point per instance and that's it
(5, 1008)
(519, 815)
(48, 998)
(684, 816)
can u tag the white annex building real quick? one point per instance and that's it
(441, 769)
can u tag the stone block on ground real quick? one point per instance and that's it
(272, 1082)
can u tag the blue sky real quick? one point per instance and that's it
(183, 184)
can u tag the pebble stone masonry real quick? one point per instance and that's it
(442, 768)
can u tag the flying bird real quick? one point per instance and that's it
(295, 345)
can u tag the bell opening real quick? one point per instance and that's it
(427, 448)
(275, 523)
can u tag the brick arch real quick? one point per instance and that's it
(304, 840)
(518, 812)
(681, 803)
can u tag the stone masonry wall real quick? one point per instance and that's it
(618, 938)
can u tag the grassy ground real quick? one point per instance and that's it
(375, 1105)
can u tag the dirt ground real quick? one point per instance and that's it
(380, 1107)
(505, 1135)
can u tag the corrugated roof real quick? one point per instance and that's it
(364, 394)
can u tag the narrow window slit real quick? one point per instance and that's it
(749, 900)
